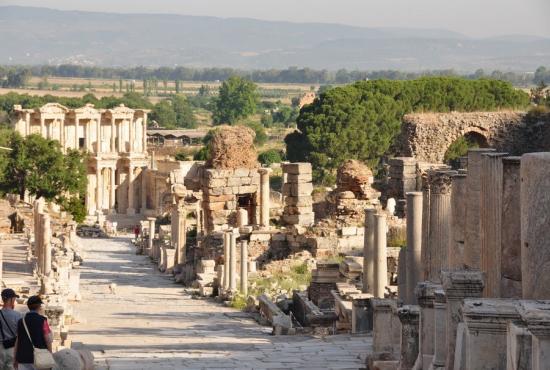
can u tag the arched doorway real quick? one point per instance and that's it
(459, 148)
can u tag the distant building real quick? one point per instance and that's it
(161, 137)
(116, 140)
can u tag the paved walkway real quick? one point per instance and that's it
(149, 322)
(16, 271)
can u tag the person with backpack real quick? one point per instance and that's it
(8, 328)
(34, 339)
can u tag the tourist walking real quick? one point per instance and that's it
(137, 232)
(33, 332)
(8, 328)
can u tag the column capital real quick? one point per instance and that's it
(425, 293)
(440, 182)
(409, 314)
(264, 171)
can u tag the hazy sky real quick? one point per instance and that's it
(471, 17)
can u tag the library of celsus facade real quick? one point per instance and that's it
(116, 140)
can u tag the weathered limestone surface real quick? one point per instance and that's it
(511, 229)
(472, 246)
(425, 294)
(535, 233)
(409, 316)
(380, 256)
(414, 244)
(368, 252)
(427, 136)
(458, 221)
(297, 190)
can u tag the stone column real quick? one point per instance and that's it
(62, 136)
(227, 258)
(244, 268)
(144, 123)
(121, 147)
(47, 245)
(425, 295)
(242, 217)
(264, 197)
(425, 228)
(380, 256)
(113, 189)
(99, 188)
(440, 222)
(131, 210)
(519, 345)
(458, 285)
(151, 232)
(76, 141)
(113, 136)
(472, 249)
(458, 219)
(368, 252)
(491, 216)
(132, 134)
(511, 229)
(88, 139)
(409, 316)
(143, 190)
(440, 329)
(233, 261)
(402, 265)
(414, 244)
(535, 233)
(98, 136)
(43, 126)
(181, 246)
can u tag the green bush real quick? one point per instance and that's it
(271, 156)
(459, 148)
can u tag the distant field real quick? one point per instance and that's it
(74, 87)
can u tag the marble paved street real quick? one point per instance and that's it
(149, 322)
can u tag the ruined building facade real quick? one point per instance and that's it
(116, 140)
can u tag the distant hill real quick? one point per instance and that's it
(37, 36)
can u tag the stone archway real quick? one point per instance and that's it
(427, 136)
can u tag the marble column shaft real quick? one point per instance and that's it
(233, 261)
(244, 268)
(472, 245)
(425, 228)
(181, 236)
(368, 251)
(380, 256)
(440, 329)
(511, 229)
(130, 180)
(440, 222)
(535, 230)
(47, 245)
(491, 217)
(264, 197)
(414, 244)
(425, 295)
(151, 232)
(226, 257)
(458, 219)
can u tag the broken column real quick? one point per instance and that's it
(535, 233)
(409, 316)
(536, 316)
(380, 256)
(181, 235)
(414, 244)
(472, 250)
(151, 234)
(368, 252)
(490, 217)
(458, 220)
(386, 331)
(458, 285)
(425, 293)
(440, 329)
(244, 268)
(242, 217)
(264, 197)
(297, 190)
(511, 229)
(233, 260)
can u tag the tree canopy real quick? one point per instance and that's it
(38, 166)
(361, 120)
(237, 100)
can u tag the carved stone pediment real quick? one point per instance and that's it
(53, 108)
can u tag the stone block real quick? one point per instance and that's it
(218, 198)
(212, 173)
(247, 189)
(260, 236)
(297, 190)
(227, 190)
(349, 230)
(234, 181)
(293, 210)
(303, 219)
(214, 206)
(242, 172)
(301, 178)
(217, 183)
(303, 201)
(297, 168)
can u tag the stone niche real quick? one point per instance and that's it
(225, 191)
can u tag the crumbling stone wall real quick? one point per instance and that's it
(427, 136)
(232, 147)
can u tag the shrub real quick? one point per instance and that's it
(271, 156)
